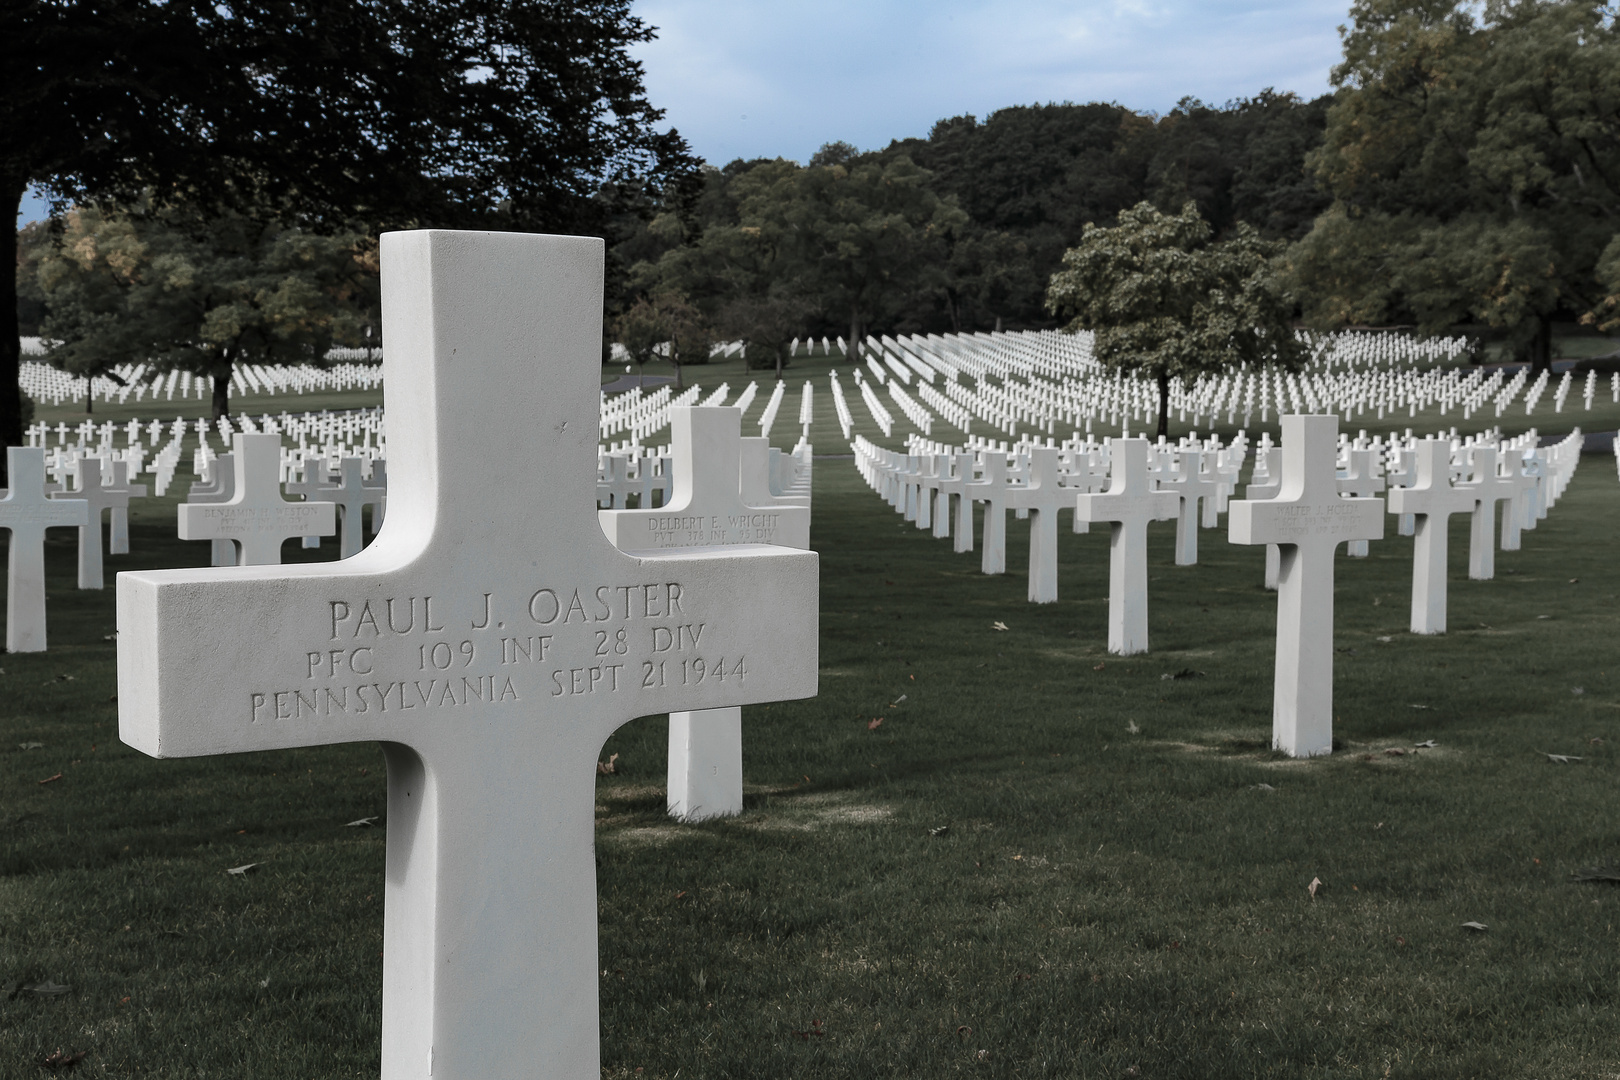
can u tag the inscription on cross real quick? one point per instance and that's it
(490, 637)
(1308, 519)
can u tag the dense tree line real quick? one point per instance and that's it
(963, 229)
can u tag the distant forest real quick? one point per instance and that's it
(1026, 180)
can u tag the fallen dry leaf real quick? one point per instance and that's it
(1130, 726)
(241, 871)
(1316, 883)
(1427, 744)
(1475, 926)
(1100, 666)
(47, 988)
(1264, 787)
(941, 831)
(1556, 759)
(874, 723)
(896, 703)
(1417, 706)
(63, 1059)
(31, 746)
(365, 822)
(608, 767)
(48, 779)
(1395, 751)
(998, 626)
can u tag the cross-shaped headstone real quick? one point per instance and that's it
(1043, 496)
(1488, 488)
(217, 484)
(1190, 483)
(1129, 503)
(955, 484)
(1309, 519)
(96, 499)
(350, 493)
(992, 489)
(256, 517)
(118, 531)
(314, 475)
(1431, 500)
(706, 505)
(1517, 510)
(26, 512)
(490, 637)
(1361, 479)
(1266, 482)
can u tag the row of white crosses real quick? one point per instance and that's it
(42, 382)
(30, 506)
(491, 638)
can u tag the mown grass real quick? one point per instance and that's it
(1045, 861)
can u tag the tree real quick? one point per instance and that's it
(464, 113)
(767, 325)
(1474, 165)
(1165, 301)
(178, 290)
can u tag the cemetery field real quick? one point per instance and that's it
(979, 851)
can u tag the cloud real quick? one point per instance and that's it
(744, 79)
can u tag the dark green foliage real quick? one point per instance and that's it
(1473, 154)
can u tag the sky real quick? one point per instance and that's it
(779, 78)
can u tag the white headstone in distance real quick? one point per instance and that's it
(96, 498)
(26, 512)
(216, 486)
(1488, 488)
(706, 503)
(350, 493)
(956, 485)
(1043, 496)
(118, 538)
(256, 516)
(490, 637)
(1432, 500)
(1308, 519)
(1129, 503)
(992, 489)
(1267, 481)
(1362, 479)
(1190, 483)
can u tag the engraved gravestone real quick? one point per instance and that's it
(26, 511)
(490, 637)
(706, 508)
(1308, 519)
(256, 517)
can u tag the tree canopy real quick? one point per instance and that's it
(1166, 301)
(327, 113)
(1473, 156)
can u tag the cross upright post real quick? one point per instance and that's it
(490, 637)
(123, 491)
(26, 512)
(1487, 489)
(255, 516)
(992, 490)
(1308, 519)
(1044, 496)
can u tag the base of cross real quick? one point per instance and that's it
(1307, 519)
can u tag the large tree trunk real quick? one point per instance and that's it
(222, 394)
(1164, 405)
(11, 432)
(853, 354)
(1540, 347)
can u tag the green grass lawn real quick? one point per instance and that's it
(1045, 861)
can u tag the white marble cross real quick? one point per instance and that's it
(956, 484)
(490, 637)
(1516, 511)
(1308, 519)
(256, 516)
(1043, 496)
(96, 499)
(706, 509)
(1266, 482)
(992, 489)
(216, 486)
(1129, 503)
(118, 529)
(1432, 500)
(350, 493)
(1487, 488)
(26, 512)
(1190, 483)
(1361, 479)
